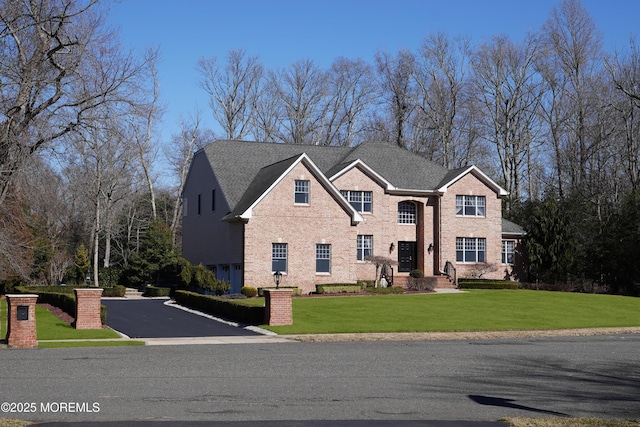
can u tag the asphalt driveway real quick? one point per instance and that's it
(152, 318)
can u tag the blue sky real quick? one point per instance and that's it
(283, 31)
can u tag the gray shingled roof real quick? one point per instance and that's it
(509, 227)
(246, 169)
(237, 164)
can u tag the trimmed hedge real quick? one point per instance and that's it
(226, 308)
(115, 291)
(366, 283)
(154, 291)
(487, 284)
(296, 290)
(65, 301)
(338, 288)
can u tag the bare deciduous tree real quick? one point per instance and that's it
(572, 38)
(233, 91)
(351, 93)
(57, 63)
(509, 89)
(395, 81)
(440, 79)
(301, 92)
(180, 153)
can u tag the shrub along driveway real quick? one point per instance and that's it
(152, 318)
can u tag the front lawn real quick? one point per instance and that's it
(478, 310)
(50, 327)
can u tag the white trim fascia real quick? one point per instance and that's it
(367, 170)
(483, 177)
(355, 215)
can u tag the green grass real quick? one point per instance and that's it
(478, 310)
(50, 327)
(70, 344)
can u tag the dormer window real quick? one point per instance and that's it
(470, 206)
(301, 192)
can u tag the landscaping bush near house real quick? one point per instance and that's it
(338, 288)
(296, 290)
(155, 291)
(386, 291)
(421, 284)
(226, 308)
(114, 291)
(249, 291)
(487, 284)
(366, 283)
(416, 273)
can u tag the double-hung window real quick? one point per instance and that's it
(406, 213)
(471, 250)
(301, 192)
(323, 258)
(508, 251)
(362, 201)
(279, 257)
(365, 246)
(470, 206)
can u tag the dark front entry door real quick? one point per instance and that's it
(407, 259)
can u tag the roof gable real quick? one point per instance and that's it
(455, 175)
(245, 170)
(270, 176)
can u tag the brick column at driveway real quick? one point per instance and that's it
(277, 307)
(21, 321)
(88, 308)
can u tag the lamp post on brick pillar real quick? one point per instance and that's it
(277, 277)
(277, 304)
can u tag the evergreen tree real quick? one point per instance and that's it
(81, 263)
(550, 243)
(157, 259)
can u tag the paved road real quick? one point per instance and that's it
(152, 318)
(395, 381)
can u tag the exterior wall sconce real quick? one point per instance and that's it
(277, 278)
(392, 246)
(430, 248)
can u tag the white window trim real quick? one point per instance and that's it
(360, 249)
(307, 192)
(477, 251)
(347, 195)
(504, 253)
(323, 273)
(286, 257)
(406, 215)
(475, 205)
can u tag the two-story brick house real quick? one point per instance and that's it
(316, 213)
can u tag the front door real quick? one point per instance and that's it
(407, 259)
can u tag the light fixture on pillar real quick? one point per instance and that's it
(277, 277)
(430, 248)
(392, 246)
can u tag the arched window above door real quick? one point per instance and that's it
(406, 213)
